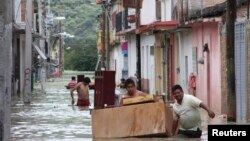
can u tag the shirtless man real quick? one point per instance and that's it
(82, 92)
(131, 89)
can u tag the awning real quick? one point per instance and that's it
(39, 51)
(158, 25)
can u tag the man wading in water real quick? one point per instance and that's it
(82, 92)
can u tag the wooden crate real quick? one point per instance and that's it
(130, 121)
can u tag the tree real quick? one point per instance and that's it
(80, 22)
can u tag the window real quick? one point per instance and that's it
(152, 50)
(158, 10)
(194, 60)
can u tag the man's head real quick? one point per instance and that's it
(130, 86)
(73, 78)
(177, 93)
(86, 80)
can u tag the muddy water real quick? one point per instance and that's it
(51, 118)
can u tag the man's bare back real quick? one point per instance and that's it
(83, 91)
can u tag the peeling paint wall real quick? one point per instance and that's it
(5, 67)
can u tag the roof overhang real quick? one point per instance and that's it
(19, 27)
(158, 25)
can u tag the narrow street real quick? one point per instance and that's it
(155, 65)
(51, 118)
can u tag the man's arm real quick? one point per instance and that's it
(174, 126)
(72, 94)
(210, 112)
(175, 123)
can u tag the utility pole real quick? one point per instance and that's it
(42, 14)
(60, 48)
(107, 34)
(5, 67)
(230, 64)
(28, 53)
(61, 51)
(103, 50)
(138, 46)
(48, 28)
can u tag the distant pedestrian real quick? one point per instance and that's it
(82, 92)
(120, 91)
(122, 83)
(192, 84)
(187, 113)
(72, 83)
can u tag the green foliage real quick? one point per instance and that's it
(81, 22)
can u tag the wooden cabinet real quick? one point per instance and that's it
(104, 89)
(148, 119)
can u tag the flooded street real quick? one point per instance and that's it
(51, 118)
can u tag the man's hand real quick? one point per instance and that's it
(211, 114)
(73, 101)
(142, 94)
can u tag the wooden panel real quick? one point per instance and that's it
(138, 99)
(131, 121)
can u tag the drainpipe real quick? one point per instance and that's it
(138, 46)
(230, 63)
(248, 2)
(41, 6)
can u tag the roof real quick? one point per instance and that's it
(215, 10)
(158, 25)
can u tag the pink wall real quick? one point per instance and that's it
(209, 76)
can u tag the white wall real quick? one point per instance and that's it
(166, 10)
(116, 62)
(148, 61)
(185, 50)
(132, 56)
(148, 13)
